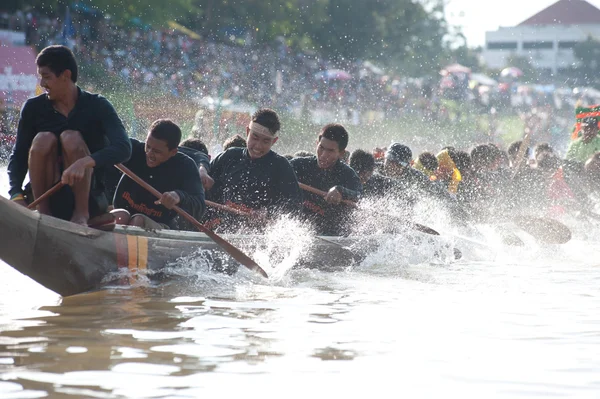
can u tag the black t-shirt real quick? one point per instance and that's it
(198, 156)
(327, 218)
(93, 116)
(268, 182)
(113, 175)
(378, 186)
(179, 174)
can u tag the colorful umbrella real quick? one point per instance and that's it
(513, 72)
(455, 68)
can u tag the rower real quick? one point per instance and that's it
(484, 194)
(374, 184)
(67, 135)
(328, 173)
(172, 173)
(235, 141)
(193, 148)
(591, 174)
(397, 166)
(197, 150)
(446, 172)
(428, 164)
(253, 179)
(588, 144)
(411, 182)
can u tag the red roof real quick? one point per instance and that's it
(565, 12)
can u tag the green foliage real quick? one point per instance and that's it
(588, 70)
(397, 33)
(463, 55)
(403, 35)
(530, 74)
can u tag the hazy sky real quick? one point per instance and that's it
(478, 16)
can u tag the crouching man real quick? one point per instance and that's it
(172, 173)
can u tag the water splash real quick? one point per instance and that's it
(287, 241)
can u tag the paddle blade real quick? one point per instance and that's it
(236, 253)
(546, 230)
(425, 229)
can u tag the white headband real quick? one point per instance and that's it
(260, 129)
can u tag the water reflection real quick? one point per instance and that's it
(482, 329)
(154, 338)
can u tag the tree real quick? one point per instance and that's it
(588, 54)
(463, 55)
(398, 33)
(406, 35)
(530, 74)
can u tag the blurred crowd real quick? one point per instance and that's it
(177, 62)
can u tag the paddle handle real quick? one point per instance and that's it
(324, 194)
(521, 153)
(227, 208)
(157, 194)
(231, 250)
(46, 195)
(416, 226)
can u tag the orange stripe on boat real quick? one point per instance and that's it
(133, 252)
(142, 262)
(122, 255)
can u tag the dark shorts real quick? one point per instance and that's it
(62, 203)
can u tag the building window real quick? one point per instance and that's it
(538, 45)
(502, 46)
(564, 71)
(567, 44)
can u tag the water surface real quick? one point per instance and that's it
(502, 322)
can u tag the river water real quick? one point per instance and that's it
(504, 322)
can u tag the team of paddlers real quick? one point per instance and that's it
(73, 137)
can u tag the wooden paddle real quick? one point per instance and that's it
(226, 208)
(46, 195)
(520, 158)
(228, 247)
(230, 209)
(544, 229)
(416, 226)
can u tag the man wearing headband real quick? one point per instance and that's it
(253, 179)
(328, 173)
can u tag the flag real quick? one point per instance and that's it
(584, 112)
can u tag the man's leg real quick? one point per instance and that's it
(144, 222)
(74, 148)
(122, 216)
(43, 166)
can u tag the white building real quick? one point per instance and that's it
(547, 38)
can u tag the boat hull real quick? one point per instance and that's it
(69, 259)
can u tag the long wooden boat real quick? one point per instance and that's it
(69, 259)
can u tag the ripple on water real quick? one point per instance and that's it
(501, 322)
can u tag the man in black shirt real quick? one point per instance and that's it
(374, 184)
(68, 135)
(172, 173)
(413, 184)
(196, 149)
(193, 148)
(328, 173)
(253, 179)
(397, 166)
